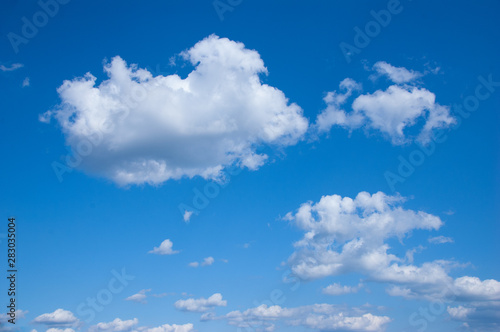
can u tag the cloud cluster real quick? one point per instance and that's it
(345, 235)
(201, 304)
(324, 317)
(149, 129)
(391, 111)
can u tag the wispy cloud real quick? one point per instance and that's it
(139, 297)
(12, 67)
(440, 239)
(207, 261)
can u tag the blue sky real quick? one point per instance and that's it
(251, 165)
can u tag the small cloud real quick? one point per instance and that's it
(60, 317)
(247, 245)
(224, 260)
(187, 215)
(410, 253)
(449, 212)
(338, 289)
(165, 248)
(440, 240)
(45, 117)
(19, 314)
(398, 75)
(171, 61)
(11, 68)
(140, 297)
(208, 261)
(201, 304)
(26, 82)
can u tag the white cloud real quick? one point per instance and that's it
(117, 325)
(139, 297)
(440, 239)
(60, 330)
(201, 304)
(165, 248)
(26, 82)
(60, 317)
(344, 235)
(391, 111)
(207, 261)
(334, 114)
(459, 312)
(187, 215)
(169, 328)
(472, 288)
(396, 74)
(325, 317)
(20, 314)
(152, 129)
(477, 316)
(162, 294)
(13, 67)
(338, 289)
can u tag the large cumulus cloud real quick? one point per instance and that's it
(138, 128)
